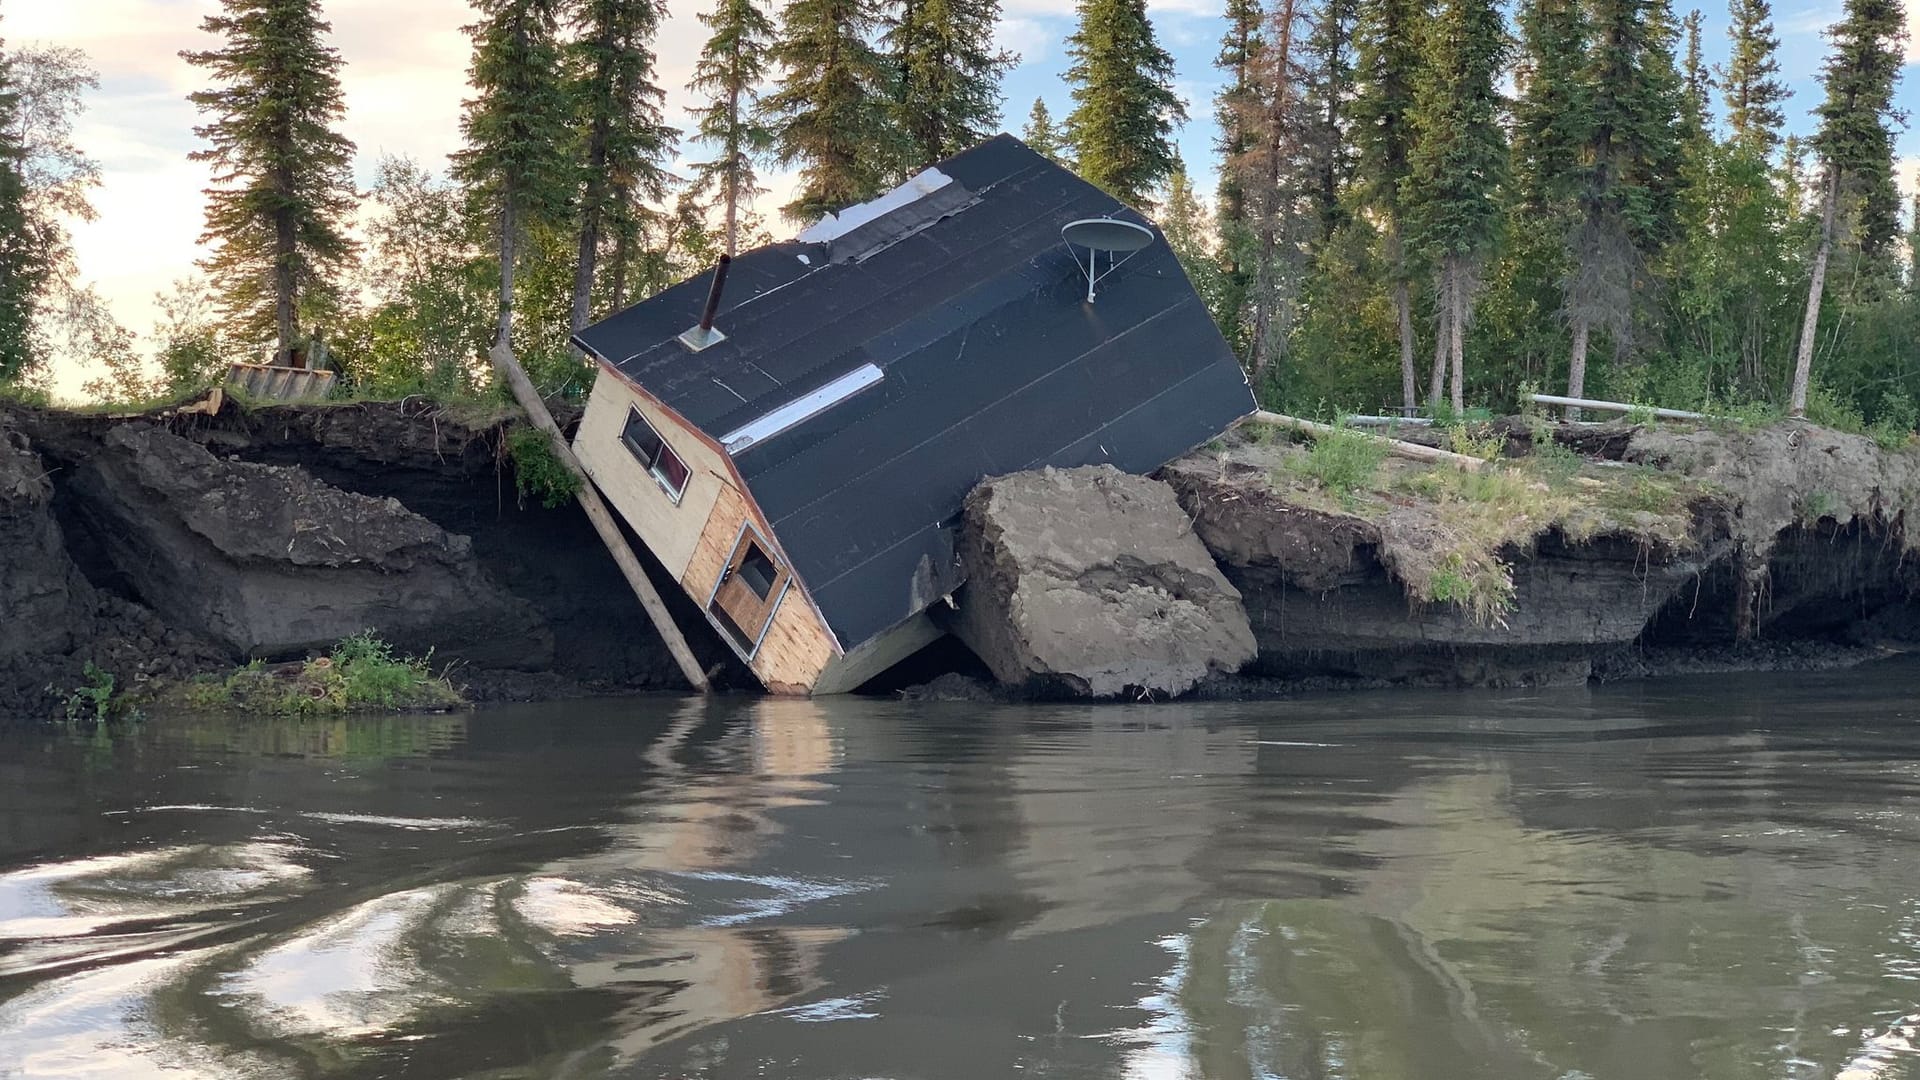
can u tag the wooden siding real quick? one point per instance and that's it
(797, 646)
(670, 531)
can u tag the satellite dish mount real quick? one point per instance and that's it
(1112, 236)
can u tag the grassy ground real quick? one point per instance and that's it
(1446, 533)
(361, 674)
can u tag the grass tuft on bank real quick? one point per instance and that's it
(1448, 535)
(361, 674)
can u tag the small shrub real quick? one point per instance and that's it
(538, 471)
(1896, 420)
(1818, 505)
(1552, 459)
(1342, 460)
(361, 674)
(93, 699)
(1642, 415)
(1486, 445)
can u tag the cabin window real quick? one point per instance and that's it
(655, 455)
(757, 571)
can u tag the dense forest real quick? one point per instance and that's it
(1421, 204)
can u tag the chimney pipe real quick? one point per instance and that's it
(703, 335)
(713, 294)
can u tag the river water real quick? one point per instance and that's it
(1703, 878)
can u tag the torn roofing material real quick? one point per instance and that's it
(985, 359)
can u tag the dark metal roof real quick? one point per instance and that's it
(993, 362)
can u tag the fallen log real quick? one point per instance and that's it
(1396, 447)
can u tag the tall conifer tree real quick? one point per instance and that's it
(947, 96)
(1239, 110)
(22, 266)
(1695, 79)
(1330, 58)
(831, 109)
(1855, 146)
(277, 214)
(1629, 178)
(1750, 79)
(728, 76)
(517, 163)
(1041, 134)
(1387, 34)
(1121, 127)
(1457, 163)
(623, 138)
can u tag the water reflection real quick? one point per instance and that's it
(1702, 882)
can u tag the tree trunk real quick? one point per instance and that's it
(1403, 311)
(1816, 285)
(503, 329)
(583, 266)
(733, 170)
(1577, 365)
(1456, 333)
(622, 255)
(283, 287)
(1436, 379)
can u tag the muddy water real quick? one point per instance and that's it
(1715, 878)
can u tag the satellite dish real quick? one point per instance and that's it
(1111, 235)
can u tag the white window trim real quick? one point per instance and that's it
(653, 470)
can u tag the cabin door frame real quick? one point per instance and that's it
(737, 604)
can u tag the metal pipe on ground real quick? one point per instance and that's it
(1614, 406)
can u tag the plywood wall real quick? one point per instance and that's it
(797, 647)
(670, 531)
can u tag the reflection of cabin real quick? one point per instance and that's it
(802, 474)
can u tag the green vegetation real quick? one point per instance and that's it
(537, 470)
(1448, 534)
(361, 674)
(95, 700)
(1343, 462)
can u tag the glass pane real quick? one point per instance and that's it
(641, 439)
(671, 470)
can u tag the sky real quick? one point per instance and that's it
(405, 78)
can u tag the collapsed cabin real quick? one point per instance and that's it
(798, 459)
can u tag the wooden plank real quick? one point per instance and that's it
(503, 361)
(1410, 451)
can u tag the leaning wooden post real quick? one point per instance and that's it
(603, 523)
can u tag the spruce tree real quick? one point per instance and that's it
(623, 138)
(1183, 221)
(948, 70)
(1041, 135)
(1629, 178)
(22, 267)
(283, 192)
(1750, 80)
(1125, 109)
(1330, 89)
(1457, 162)
(830, 110)
(1855, 146)
(1696, 80)
(728, 76)
(1387, 35)
(1239, 110)
(516, 164)
(1277, 174)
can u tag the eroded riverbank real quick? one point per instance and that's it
(160, 547)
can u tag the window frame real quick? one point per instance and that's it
(652, 463)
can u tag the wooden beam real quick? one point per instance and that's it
(603, 521)
(1410, 451)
